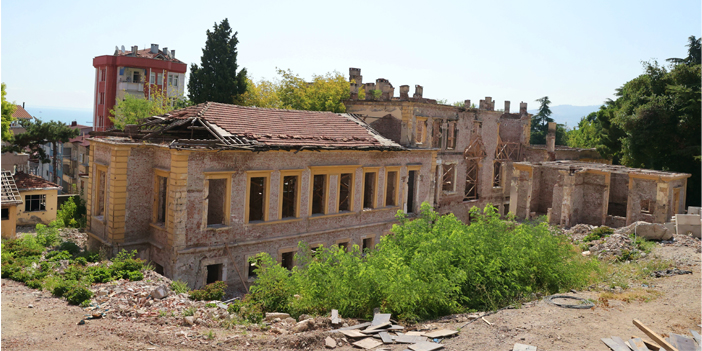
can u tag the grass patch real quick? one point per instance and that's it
(639, 294)
(179, 287)
(598, 233)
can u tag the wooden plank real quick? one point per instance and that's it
(620, 341)
(650, 344)
(656, 338)
(367, 343)
(426, 346)
(387, 339)
(697, 337)
(614, 345)
(683, 343)
(638, 345)
(335, 317)
(522, 347)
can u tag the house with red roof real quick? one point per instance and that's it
(137, 73)
(200, 190)
(40, 199)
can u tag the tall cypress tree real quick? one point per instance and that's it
(539, 122)
(216, 79)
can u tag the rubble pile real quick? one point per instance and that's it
(612, 246)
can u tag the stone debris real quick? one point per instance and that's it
(650, 231)
(669, 273)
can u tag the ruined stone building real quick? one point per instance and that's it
(200, 190)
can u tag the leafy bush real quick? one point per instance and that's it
(77, 293)
(598, 233)
(48, 236)
(24, 247)
(81, 261)
(100, 274)
(73, 212)
(214, 291)
(430, 266)
(34, 284)
(125, 262)
(179, 287)
(58, 256)
(135, 276)
(69, 246)
(90, 256)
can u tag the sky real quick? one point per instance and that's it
(574, 52)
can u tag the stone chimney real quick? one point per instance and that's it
(506, 106)
(135, 48)
(386, 89)
(487, 104)
(551, 138)
(154, 48)
(523, 108)
(355, 74)
(418, 91)
(354, 91)
(404, 92)
(74, 123)
(466, 104)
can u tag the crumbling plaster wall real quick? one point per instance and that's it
(640, 190)
(100, 154)
(594, 201)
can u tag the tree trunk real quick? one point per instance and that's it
(53, 143)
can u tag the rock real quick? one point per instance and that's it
(586, 253)
(329, 342)
(223, 306)
(273, 315)
(303, 326)
(159, 292)
(30, 306)
(289, 320)
(200, 321)
(303, 317)
(275, 330)
(653, 231)
(189, 320)
(82, 321)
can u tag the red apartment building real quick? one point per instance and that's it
(128, 72)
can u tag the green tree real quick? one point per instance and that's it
(586, 134)
(693, 53)
(8, 108)
(216, 79)
(539, 122)
(36, 135)
(325, 92)
(131, 110)
(261, 94)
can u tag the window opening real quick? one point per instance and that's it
(318, 193)
(152, 78)
(471, 192)
(447, 183)
(287, 260)
(157, 268)
(367, 244)
(289, 196)
(345, 191)
(437, 134)
(497, 174)
(136, 77)
(410, 191)
(214, 273)
(253, 263)
(5, 214)
(369, 190)
(452, 131)
(257, 196)
(162, 193)
(647, 206)
(391, 189)
(344, 246)
(215, 201)
(420, 131)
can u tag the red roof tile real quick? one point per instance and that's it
(20, 112)
(287, 128)
(29, 181)
(81, 140)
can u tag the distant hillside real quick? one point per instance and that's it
(569, 114)
(82, 116)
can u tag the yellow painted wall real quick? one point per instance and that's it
(34, 217)
(9, 226)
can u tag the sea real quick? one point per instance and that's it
(65, 115)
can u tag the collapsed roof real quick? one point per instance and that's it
(226, 126)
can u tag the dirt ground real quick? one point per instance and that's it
(33, 320)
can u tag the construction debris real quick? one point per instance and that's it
(669, 273)
(522, 347)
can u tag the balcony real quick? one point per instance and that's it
(130, 87)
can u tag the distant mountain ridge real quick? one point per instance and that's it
(569, 114)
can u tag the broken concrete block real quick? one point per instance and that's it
(273, 315)
(652, 231)
(303, 326)
(159, 292)
(329, 342)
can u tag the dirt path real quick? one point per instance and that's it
(51, 324)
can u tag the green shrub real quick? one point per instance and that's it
(211, 305)
(179, 287)
(77, 293)
(34, 284)
(58, 256)
(234, 307)
(100, 274)
(598, 233)
(189, 311)
(429, 266)
(69, 246)
(214, 291)
(81, 261)
(73, 212)
(135, 276)
(24, 247)
(48, 236)
(125, 262)
(90, 256)
(61, 288)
